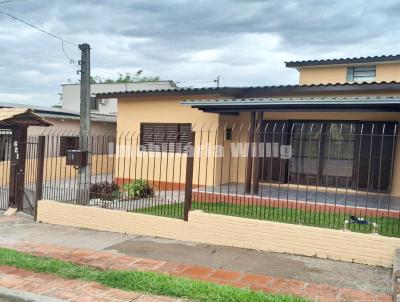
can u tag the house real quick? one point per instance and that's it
(340, 123)
(64, 132)
(70, 97)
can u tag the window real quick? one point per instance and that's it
(347, 154)
(68, 143)
(160, 137)
(361, 73)
(94, 103)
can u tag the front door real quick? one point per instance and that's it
(273, 166)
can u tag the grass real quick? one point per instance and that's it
(327, 219)
(146, 282)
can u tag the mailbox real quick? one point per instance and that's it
(77, 158)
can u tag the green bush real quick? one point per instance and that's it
(140, 188)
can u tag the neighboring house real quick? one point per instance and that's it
(337, 103)
(64, 134)
(71, 94)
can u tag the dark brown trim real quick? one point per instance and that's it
(39, 173)
(256, 158)
(189, 178)
(17, 167)
(249, 160)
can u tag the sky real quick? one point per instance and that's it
(246, 42)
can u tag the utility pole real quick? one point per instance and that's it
(218, 80)
(84, 174)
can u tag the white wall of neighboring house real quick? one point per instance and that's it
(71, 94)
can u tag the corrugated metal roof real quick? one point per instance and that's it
(94, 117)
(355, 60)
(21, 116)
(366, 103)
(245, 89)
(58, 113)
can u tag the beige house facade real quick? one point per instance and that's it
(340, 123)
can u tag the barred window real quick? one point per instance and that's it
(94, 103)
(68, 143)
(164, 137)
(361, 73)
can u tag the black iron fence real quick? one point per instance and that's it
(341, 175)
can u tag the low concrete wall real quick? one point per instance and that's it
(230, 231)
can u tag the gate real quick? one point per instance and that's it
(32, 174)
(21, 159)
(21, 171)
(5, 151)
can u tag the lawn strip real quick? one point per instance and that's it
(327, 219)
(146, 282)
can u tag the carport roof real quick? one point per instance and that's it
(21, 117)
(374, 104)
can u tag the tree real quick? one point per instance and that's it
(125, 78)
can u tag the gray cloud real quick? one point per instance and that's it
(191, 42)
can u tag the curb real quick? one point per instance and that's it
(13, 295)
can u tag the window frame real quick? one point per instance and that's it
(94, 104)
(360, 69)
(165, 144)
(65, 145)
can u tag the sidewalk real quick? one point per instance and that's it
(46, 285)
(320, 280)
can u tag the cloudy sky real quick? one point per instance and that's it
(190, 42)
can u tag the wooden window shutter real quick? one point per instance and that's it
(164, 137)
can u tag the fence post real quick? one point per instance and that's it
(39, 172)
(17, 167)
(189, 177)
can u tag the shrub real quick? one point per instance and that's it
(139, 189)
(105, 190)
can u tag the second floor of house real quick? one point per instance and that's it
(348, 70)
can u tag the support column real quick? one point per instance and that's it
(256, 158)
(17, 167)
(249, 161)
(39, 172)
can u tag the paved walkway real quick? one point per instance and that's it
(109, 260)
(46, 285)
(118, 251)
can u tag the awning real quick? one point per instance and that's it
(370, 104)
(21, 117)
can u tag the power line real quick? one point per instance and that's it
(8, 1)
(38, 28)
(71, 61)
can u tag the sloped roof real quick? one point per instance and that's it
(59, 113)
(21, 116)
(273, 90)
(358, 60)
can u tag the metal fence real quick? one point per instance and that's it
(327, 174)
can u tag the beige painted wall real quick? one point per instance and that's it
(322, 75)
(388, 72)
(207, 228)
(337, 74)
(169, 167)
(209, 128)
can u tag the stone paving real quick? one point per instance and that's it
(112, 260)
